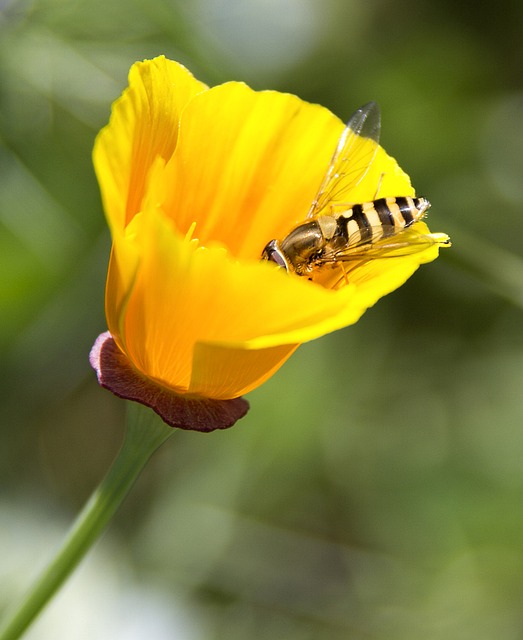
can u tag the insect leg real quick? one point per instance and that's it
(382, 174)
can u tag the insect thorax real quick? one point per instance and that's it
(303, 244)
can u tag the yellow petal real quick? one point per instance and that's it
(143, 125)
(224, 372)
(123, 267)
(383, 179)
(247, 165)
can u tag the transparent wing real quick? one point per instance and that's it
(352, 158)
(405, 243)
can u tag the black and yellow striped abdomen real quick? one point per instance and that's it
(371, 221)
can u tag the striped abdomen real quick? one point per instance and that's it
(372, 221)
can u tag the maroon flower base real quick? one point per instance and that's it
(116, 373)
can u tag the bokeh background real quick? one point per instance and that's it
(375, 490)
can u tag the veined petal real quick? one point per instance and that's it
(223, 371)
(143, 125)
(123, 267)
(247, 165)
(383, 179)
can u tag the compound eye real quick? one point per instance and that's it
(274, 254)
(277, 257)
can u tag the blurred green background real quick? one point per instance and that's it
(375, 490)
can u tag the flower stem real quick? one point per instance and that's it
(145, 433)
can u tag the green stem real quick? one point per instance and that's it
(145, 433)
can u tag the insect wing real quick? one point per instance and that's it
(352, 158)
(392, 245)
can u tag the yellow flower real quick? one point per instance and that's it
(195, 181)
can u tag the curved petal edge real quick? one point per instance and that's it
(115, 373)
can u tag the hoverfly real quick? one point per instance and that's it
(336, 233)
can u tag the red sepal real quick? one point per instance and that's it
(117, 374)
